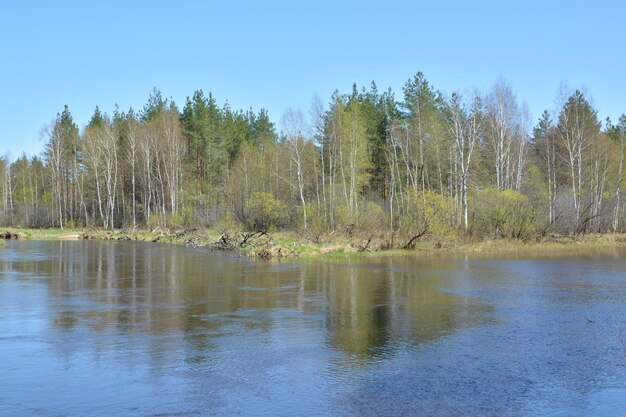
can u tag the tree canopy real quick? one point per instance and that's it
(429, 164)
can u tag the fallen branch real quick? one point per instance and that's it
(365, 248)
(411, 243)
(247, 238)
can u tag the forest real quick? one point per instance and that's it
(425, 165)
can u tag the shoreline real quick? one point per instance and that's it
(283, 245)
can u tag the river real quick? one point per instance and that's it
(91, 328)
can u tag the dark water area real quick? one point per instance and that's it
(130, 329)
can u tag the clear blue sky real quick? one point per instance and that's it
(278, 54)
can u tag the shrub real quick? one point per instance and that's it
(228, 222)
(429, 213)
(174, 220)
(371, 217)
(265, 212)
(318, 224)
(368, 217)
(503, 214)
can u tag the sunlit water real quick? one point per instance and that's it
(129, 329)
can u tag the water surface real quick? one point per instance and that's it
(130, 329)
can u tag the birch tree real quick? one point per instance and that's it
(294, 124)
(355, 150)
(502, 126)
(108, 145)
(55, 156)
(618, 134)
(577, 127)
(7, 182)
(173, 150)
(132, 151)
(3, 183)
(545, 142)
(465, 125)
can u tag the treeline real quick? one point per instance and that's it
(427, 164)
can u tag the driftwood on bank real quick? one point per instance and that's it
(411, 243)
(259, 244)
(12, 235)
(365, 247)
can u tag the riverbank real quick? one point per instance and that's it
(290, 244)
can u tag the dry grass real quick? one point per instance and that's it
(284, 244)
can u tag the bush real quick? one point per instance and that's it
(371, 217)
(429, 213)
(155, 221)
(318, 224)
(265, 212)
(438, 213)
(368, 217)
(174, 220)
(228, 222)
(503, 214)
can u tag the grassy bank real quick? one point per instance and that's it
(290, 244)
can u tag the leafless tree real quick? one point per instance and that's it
(55, 155)
(294, 127)
(465, 124)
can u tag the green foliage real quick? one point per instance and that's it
(428, 213)
(175, 219)
(97, 120)
(367, 218)
(347, 140)
(187, 216)
(228, 222)
(69, 129)
(155, 220)
(378, 111)
(420, 98)
(536, 189)
(541, 132)
(261, 125)
(578, 117)
(343, 218)
(155, 106)
(215, 136)
(502, 214)
(201, 120)
(437, 211)
(72, 224)
(371, 217)
(318, 224)
(265, 212)
(371, 158)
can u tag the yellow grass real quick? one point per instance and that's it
(290, 244)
